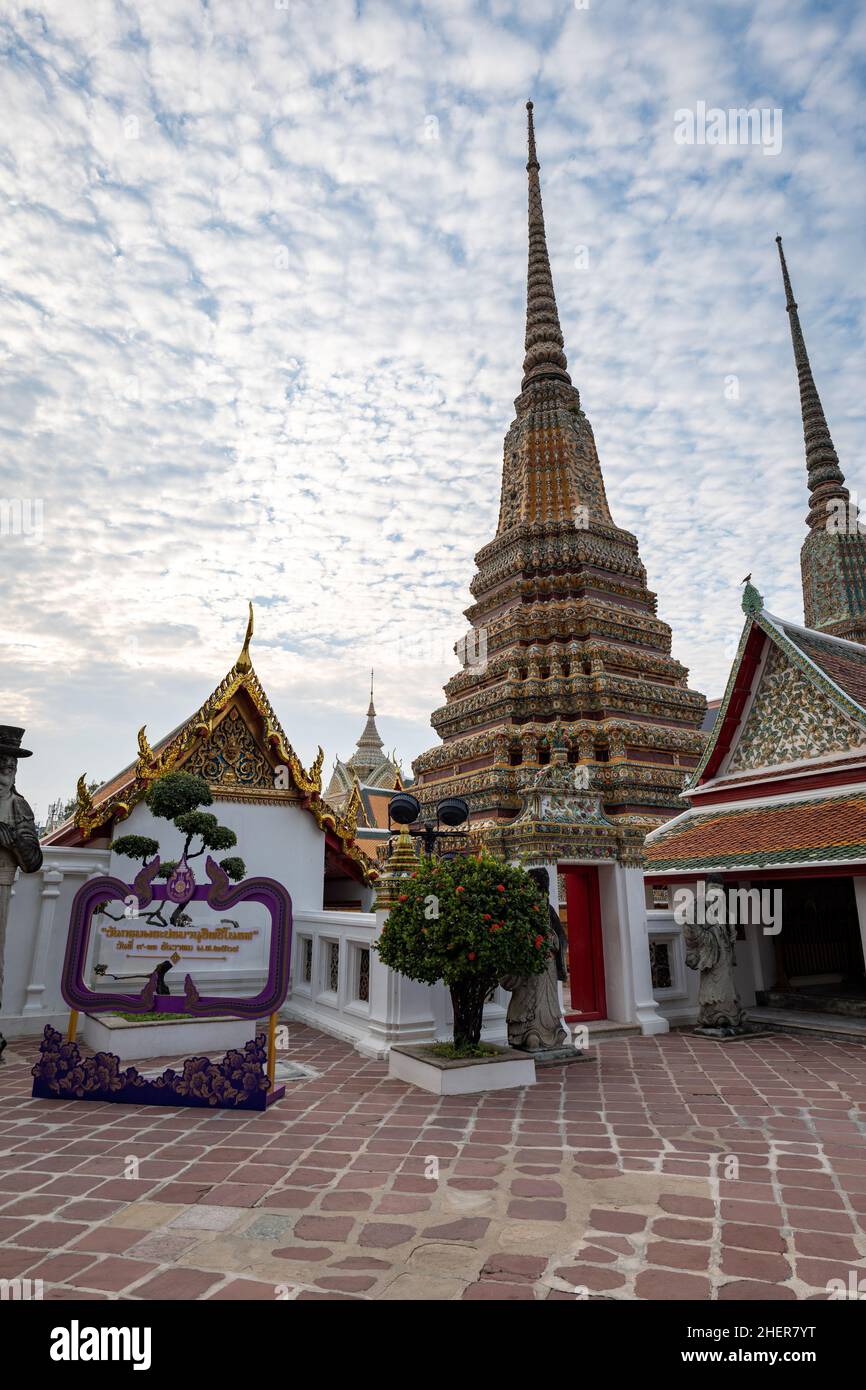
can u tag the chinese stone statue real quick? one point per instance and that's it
(19, 842)
(710, 950)
(534, 1012)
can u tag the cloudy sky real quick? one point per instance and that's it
(262, 272)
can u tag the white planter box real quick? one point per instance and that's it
(461, 1077)
(178, 1037)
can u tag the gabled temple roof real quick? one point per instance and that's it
(788, 834)
(240, 698)
(764, 815)
(842, 662)
(833, 665)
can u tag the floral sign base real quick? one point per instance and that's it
(238, 1082)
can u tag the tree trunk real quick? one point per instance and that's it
(467, 999)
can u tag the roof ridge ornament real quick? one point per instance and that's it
(753, 602)
(244, 663)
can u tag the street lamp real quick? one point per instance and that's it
(451, 812)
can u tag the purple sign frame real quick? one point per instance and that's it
(240, 1081)
(267, 891)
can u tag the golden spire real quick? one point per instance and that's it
(402, 862)
(243, 662)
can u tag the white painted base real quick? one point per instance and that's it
(184, 1037)
(32, 1025)
(460, 1079)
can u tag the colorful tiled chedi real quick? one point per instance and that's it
(568, 663)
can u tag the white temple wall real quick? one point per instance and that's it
(678, 1002)
(275, 841)
(755, 963)
(281, 842)
(328, 967)
(36, 938)
(628, 980)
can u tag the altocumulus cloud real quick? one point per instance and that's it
(261, 322)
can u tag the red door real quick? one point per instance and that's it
(585, 951)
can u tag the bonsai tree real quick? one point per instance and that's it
(467, 922)
(177, 797)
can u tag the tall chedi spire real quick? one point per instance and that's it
(566, 635)
(551, 470)
(833, 557)
(545, 346)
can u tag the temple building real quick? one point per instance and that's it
(285, 830)
(367, 779)
(236, 743)
(571, 728)
(778, 801)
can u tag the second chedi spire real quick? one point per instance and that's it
(833, 556)
(826, 479)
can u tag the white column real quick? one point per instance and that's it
(401, 1010)
(8, 870)
(52, 878)
(628, 975)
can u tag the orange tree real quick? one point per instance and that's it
(466, 921)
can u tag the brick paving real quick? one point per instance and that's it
(661, 1168)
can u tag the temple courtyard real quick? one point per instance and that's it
(667, 1167)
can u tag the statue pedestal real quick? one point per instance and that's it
(555, 1054)
(731, 1034)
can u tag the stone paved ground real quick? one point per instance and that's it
(611, 1178)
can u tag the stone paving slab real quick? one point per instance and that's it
(663, 1168)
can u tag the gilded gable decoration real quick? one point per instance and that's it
(236, 760)
(230, 757)
(790, 720)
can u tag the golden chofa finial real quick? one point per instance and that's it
(243, 662)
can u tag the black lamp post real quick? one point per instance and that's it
(406, 810)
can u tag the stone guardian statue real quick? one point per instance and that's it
(710, 950)
(534, 1013)
(19, 841)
